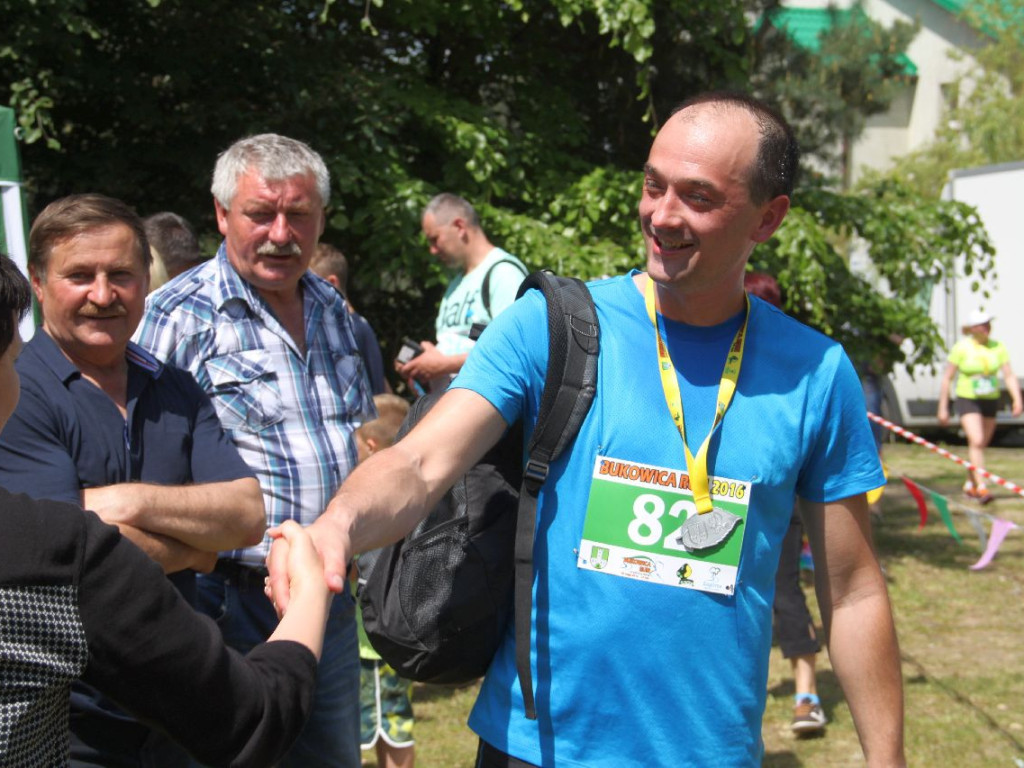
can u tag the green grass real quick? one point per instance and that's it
(961, 636)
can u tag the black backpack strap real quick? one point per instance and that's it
(485, 289)
(568, 391)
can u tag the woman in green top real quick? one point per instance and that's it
(979, 360)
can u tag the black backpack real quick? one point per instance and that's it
(436, 604)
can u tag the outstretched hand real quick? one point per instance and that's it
(318, 548)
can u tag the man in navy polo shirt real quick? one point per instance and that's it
(103, 424)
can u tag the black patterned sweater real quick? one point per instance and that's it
(79, 600)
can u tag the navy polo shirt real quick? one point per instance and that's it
(67, 434)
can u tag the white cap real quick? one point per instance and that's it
(978, 317)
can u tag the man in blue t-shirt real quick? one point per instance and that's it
(654, 565)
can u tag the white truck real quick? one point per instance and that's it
(997, 191)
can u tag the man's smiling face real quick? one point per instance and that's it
(696, 214)
(92, 292)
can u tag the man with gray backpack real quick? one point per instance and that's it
(658, 530)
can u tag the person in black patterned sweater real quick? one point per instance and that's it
(79, 600)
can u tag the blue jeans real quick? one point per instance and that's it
(246, 618)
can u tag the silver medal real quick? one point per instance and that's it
(707, 530)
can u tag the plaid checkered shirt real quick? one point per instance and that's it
(290, 415)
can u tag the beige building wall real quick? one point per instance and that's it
(917, 112)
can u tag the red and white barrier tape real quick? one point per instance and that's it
(943, 452)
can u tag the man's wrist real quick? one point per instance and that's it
(331, 529)
(331, 535)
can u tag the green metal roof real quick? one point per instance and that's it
(805, 26)
(953, 6)
(992, 20)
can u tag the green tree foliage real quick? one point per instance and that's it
(539, 111)
(901, 232)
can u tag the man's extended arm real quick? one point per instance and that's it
(205, 516)
(390, 492)
(859, 630)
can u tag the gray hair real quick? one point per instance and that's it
(275, 157)
(446, 206)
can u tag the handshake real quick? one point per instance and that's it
(297, 587)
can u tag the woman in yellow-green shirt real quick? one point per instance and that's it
(979, 359)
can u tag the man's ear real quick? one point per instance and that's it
(772, 214)
(460, 224)
(37, 283)
(222, 217)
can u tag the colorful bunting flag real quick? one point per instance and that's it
(918, 497)
(940, 503)
(975, 520)
(990, 543)
(999, 530)
(1000, 527)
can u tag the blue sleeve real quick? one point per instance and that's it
(843, 460)
(508, 363)
(34, 454)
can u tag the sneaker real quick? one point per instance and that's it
(808, 718)
(982, 495)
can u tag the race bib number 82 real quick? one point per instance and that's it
(632, 527)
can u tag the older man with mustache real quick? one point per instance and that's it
(273, 346)
(102, 424)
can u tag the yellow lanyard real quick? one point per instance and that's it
(697, 467)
